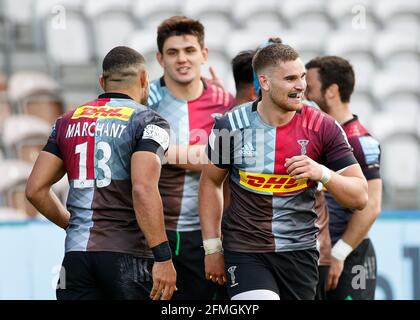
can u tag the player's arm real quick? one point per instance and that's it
(361, 220)
(367, 152)
(349, 187)
(211, 209)
(145, 173)
(188, 157)
(152, 137)
(356, 230)
(48, 169)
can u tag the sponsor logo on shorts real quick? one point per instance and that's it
(103, 113)
(271, 183)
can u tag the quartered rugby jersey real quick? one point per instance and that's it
(191, 123)
(367, 151)
(269, 210)
(96, 142)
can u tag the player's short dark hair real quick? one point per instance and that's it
(333, 69)
(275, 40)
(242, 69)
(179, 26)
(121, 62)
(272, 54)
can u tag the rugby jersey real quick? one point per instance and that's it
(96, 142)
(269, 210)
(367, 151)
(191, 123)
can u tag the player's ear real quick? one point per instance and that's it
(205, 52)
(159, 58)
(264, 82)
(144, 78)
(102, 82)
(332, 91)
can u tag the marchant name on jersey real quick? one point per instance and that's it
(84, 129)
(271, 183)
(92, 129)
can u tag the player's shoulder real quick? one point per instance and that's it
(354, 127)
(146, 114)
(314, 118)
(156, 92)
(237, 118)
(218, 95)
(64, 119)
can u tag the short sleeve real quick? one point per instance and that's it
(52, 143)
(152, 134)
(220, 144)
(337, 150)
(367, 151)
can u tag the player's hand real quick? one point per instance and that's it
(215, 267)
(164, 280)
(300, 167)
(215, 79)
(336, 269)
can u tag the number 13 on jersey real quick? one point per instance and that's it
(102, 154)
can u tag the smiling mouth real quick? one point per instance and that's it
(295, 95)
(183, 69)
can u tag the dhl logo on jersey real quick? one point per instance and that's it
(103, 112)
(271, 183)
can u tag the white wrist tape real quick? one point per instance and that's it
(326, 175)
(341, 250)
(212, 246)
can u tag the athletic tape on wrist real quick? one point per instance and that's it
(212, 246)
(326, 175)
(162, 252)
(341, 250)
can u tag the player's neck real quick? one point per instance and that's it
(132, 93)
(245, 95)
(189, 91)
(274, 116)
(341, 113)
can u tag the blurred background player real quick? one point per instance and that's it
(331, 82)
(189, 103)
(111, 149)
(269, 231)
(244, 77)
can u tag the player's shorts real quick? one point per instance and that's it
(321, 289)
(188, 259)
(104, 275)
(358, 279)
(292, 275)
